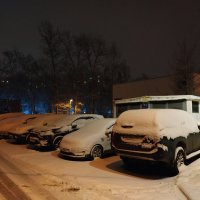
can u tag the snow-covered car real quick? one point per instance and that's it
(91, 141)
(169, 136)
(5, 116)
(21, 129)
(14, 120)
(51, 134)
(9, 115)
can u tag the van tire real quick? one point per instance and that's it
(179, 160)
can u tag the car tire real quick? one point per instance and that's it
(56, 141)
(96, 152)
(179, 160)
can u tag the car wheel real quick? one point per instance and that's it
(56, 141)
(179, 160)
(97, 151)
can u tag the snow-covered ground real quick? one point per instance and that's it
(103, 178)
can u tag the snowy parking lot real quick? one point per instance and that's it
(105, 178)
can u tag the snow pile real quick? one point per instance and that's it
(156, 122)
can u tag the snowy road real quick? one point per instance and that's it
(47, 175)
(17, 182)
(9, 190)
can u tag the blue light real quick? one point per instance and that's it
(26, 112)
(84, 109)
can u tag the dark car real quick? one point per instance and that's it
(169, 136)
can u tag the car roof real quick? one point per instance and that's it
(156, 122)
(95, 127)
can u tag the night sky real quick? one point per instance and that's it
(145, 31)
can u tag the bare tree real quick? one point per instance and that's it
(73, 65)
(84, 57)
(92, 69)
(116, 70)
(22, 77)
(183, 68)
(50, 40)
(93, 56)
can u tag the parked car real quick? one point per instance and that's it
(51, 134)
(91, 141)
(9, 115)
(21, 130)
(5, 116)
(12, 121)
(169, 136)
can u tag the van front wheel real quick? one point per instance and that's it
(179, 160)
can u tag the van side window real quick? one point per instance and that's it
(177, 104)
(195, 107)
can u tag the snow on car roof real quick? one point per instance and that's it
(59, 122)
(47, 118)
(9, 115)
(38, 119)
(6, 124)
(162, 122)
(94, 128)
(44, 121)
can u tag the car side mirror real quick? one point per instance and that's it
(108, 133)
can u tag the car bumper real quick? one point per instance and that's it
(157, 154)
(38, 142)
(67, 153)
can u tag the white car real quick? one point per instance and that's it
(91, 141)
